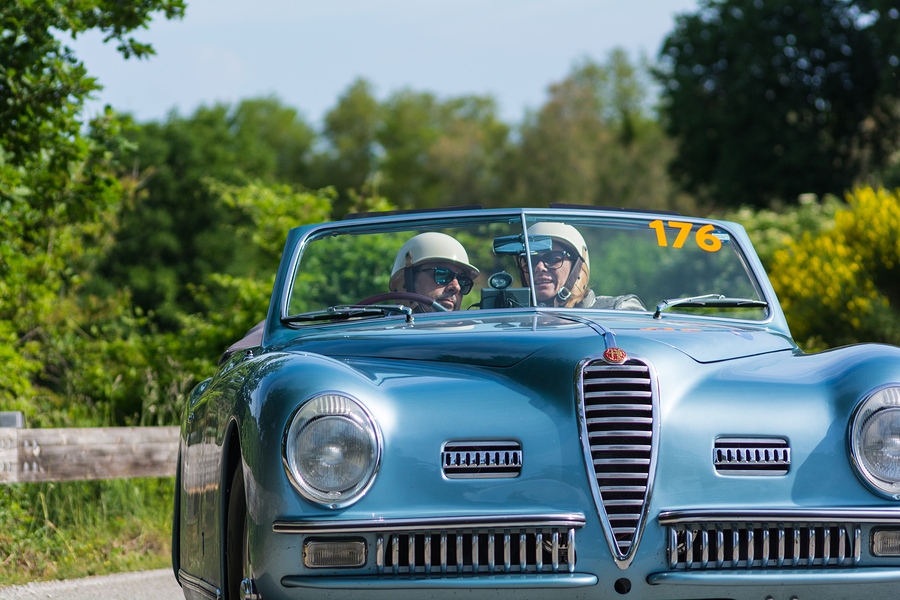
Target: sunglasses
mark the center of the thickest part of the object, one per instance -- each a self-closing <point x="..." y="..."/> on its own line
<point x="444" y="276"/>
<point x="552" y="260"/>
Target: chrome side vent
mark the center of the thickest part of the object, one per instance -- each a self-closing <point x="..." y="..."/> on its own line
<point x="763" y="545"/>
<point x="752" y="456"/>
<point x="618" y="424"/>
<point x="481" y="459"/>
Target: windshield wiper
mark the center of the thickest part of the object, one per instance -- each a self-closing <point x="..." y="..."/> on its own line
<point x="712" y="300"/>
<point x="346" y="312"/>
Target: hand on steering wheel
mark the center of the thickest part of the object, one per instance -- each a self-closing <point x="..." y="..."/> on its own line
<point x="408" y="296"/>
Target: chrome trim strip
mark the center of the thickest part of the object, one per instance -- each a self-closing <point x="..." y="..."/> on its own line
<point x="523" y="552"/>
<point x="720" y="546"/>
<point x="554" y="552"/>
<point x="842" y="544"/>
<point x="735" y="544"/>
<point x="507" y="548"/>
<point x="379" y="554"/>
<point x="198" y="585"/>
<point x="562" y="521"/>
<point x="751" y="547"/>
<point x="757" y="577"/>
<point x="571" y="556"/>
<point x="811" y="536"/>
<point x="395" y="552"/>
<point x="491" y="552"/>
<point x="863" y="515"/>
<point x="689" y="543"/>
<point x="549" y="581"/>
<point x="781" y="546"/>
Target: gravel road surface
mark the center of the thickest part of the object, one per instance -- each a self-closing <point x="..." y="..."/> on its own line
<point x="141" y="585"/>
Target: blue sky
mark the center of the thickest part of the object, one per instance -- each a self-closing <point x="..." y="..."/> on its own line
<point x="307" y="53"/>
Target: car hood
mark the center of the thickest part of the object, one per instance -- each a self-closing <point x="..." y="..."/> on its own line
<point x="504" y="340"/>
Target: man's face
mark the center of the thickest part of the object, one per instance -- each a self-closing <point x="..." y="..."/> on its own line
<point x="449" y="295"/>
<point x="548" y="281"/>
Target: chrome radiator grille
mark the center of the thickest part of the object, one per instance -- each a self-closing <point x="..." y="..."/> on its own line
<point x="479" y="551"/>
<point x="763" y="545"/>
<point x="618" y="417"/>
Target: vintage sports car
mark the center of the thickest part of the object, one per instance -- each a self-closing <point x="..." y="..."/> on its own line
<point x="537" y="403"/>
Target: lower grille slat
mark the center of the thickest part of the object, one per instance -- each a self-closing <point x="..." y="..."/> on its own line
<point x="762" y="545"/>
<point x="476" y="551"/>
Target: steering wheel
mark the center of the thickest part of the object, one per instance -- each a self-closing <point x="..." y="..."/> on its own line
<point x="408" y="296"/>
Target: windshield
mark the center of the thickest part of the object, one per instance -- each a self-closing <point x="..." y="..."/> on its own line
<point x="563" y="262"/>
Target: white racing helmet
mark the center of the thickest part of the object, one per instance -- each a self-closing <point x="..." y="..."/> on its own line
<point x="575" y="287"/>
<point x="423" y="248"/>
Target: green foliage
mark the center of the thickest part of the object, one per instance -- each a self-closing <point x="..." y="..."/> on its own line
<point x="771" y="230"/>
<point x="842" y="285"/>
<point x="269" y="212"/>
<point x="43" y="85"/>
<point x="179" y="233"/>
<point x="769" y="101"/>
<point x="81" y="528"/>
<point x="592" y="143"/>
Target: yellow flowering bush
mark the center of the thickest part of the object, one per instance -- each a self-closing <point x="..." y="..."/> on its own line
<point x="842" y="285"/>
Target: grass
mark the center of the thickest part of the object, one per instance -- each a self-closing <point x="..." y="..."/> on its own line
<point x="76" y="529"/>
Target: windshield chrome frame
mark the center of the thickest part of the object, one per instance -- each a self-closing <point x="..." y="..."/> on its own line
<point x="310" y="233"/>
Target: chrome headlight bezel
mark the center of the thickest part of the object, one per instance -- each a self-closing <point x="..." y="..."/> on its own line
<point x="879" y="404"/>
<point x="331" y="405"/>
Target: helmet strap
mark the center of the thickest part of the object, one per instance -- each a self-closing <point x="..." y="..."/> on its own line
<point x="408" y="276"/>
<point x="565" y="292"/>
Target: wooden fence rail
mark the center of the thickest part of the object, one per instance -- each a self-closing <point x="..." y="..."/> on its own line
<point x="87" y="453"/>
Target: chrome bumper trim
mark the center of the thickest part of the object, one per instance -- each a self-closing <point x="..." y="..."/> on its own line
<point x="430" y="524"/>
<point x="770" y="577"/>
<point x="859" y="515"/>
<point x="545" y="581"/>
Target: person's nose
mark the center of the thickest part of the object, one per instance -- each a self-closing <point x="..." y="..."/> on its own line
<point x="453" y="286"/>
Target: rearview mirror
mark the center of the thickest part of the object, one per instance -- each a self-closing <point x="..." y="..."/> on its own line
<point x="514" y="244"/>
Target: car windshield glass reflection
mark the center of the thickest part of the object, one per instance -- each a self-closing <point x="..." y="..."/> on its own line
<point x="588" y="264"/>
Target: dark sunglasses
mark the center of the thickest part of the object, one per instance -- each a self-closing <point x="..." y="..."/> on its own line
<point x="444" y="276"/>
<point x="552" y="260"/>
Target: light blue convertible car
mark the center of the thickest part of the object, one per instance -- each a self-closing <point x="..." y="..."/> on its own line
<point x="538" y="403"/>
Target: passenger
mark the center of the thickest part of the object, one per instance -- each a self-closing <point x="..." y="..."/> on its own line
<point x="434" y="265"/>
<point x="561" y="275"/>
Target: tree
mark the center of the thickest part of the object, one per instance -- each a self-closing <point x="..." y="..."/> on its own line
<point x="351" y="158"/>
<point x="441" y="153"/>
<point x="42" y="84"/>
<point x="770" y="99"/>
<point x="58" y="188"/>
<point x="418" y="150"/>
<point x="180" y="232"/>
<point x="593" y="142"/>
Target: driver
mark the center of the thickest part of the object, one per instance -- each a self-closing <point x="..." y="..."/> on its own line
<point x="561" y="275"/>
<point x="434" y="265"/>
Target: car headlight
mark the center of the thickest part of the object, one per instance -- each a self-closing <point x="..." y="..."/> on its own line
<point x="875" y="441"/>
<point x="332" y="449"/>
